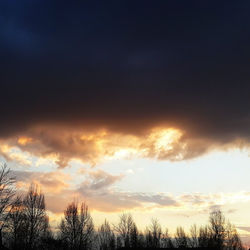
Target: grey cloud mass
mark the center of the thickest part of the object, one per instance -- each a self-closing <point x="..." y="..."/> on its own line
<point x="127" y="67"/>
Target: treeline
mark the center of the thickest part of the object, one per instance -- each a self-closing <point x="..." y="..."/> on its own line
<point x="24" y="225"/>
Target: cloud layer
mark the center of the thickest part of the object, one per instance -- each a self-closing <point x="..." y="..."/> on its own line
<point x="98" y="189"/>
<point x="62" y="144"/>
<point x="166" y="65"/>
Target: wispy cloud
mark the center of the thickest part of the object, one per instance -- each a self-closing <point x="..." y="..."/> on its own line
<point x="51" y="182"/>
<point x="98" y="188"/>
<point x="247" y="229"/>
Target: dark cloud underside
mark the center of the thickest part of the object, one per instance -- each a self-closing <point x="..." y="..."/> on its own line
<point x="126" y="65"/>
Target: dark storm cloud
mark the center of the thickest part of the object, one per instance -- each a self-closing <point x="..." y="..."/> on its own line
<point x="126" y="65"/>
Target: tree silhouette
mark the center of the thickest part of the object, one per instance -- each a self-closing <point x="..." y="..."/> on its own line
<point x="106" y="237"/>
<point x="17" y="224"/>
<point x="35" y="216"/>
<point x="204" y="238"/>
<point x="181" y="239"/>
<point x="217" y="229"/>
<point x="134" y="240"/>
<point x="166" y="240"/>
<point x="7" y="192"/>
<point x="77" y="227"/>
<point x="155" y="232"/>
<point x="194" y="236"/>
<point x="232" y="238"/>
<point x="124" y="228"/>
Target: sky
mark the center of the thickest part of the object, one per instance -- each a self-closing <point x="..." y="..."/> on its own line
<point x="131" y="106"/>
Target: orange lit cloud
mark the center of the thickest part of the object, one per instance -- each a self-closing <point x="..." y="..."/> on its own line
<point x="99" y="191"/>
<point x="52" y="182"/>
<point x="93" y="146"/>
<point x="12" y="153"/>
<point x="24" y="140"/>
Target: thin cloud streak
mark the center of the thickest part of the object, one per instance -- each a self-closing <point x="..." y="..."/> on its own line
<point x="99" y="191"/>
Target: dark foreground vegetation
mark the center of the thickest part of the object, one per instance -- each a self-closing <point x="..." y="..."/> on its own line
<point x="24" y="225"/>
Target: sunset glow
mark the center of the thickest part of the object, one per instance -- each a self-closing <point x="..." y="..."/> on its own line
<point x="135" y="107"/>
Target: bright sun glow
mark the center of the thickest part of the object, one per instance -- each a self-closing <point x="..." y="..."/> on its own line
<point x="164" y="138"/>
<point x="24" y="140"/>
